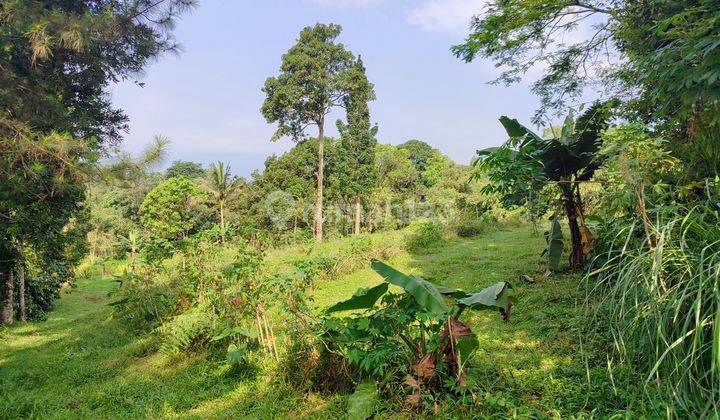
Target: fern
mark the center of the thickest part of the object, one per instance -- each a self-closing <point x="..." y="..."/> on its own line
<point x="190" y="329"/>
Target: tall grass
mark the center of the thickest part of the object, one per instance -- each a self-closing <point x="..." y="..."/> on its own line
<point x="662" y="306"/>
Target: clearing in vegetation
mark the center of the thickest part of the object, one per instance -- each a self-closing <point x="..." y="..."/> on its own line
<point x="82" y="362"/>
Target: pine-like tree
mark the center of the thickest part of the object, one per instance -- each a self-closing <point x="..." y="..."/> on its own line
<point x="355" y="172"/>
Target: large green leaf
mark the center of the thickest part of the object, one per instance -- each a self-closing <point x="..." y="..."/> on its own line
<point x="236" y="354"/>
<point x="362" y="299"/>
<point x="447" y="291"/>
<point x="245" y="332"/>
<point x="362" y="403"/>
<point x="518" y="131"/>
<point x="465" y="347"/>
<point x="555" y="245"/>
<point x="559" y="160"/>
<point x="495" y="296"/>
<point x="425" y="293"/>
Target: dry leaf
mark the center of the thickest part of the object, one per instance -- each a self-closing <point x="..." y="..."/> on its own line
<point x="411" y="381"/>
<point x="506" y="311"/>
<point x="458" y="329"/>
<point x="413" y="400"/>
<point x="425" y="368"/>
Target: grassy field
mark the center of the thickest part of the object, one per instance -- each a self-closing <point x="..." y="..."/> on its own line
<point x="82" y="362"/>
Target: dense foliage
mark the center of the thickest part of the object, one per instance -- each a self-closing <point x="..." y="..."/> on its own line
<point x="414" y="339"/>
<point x="57" y="60"/>
<point x="654" y="266"/>
<point x="208" y="262"/>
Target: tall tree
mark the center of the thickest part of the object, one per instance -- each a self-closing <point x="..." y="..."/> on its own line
<point x="356" y="150"/>
<point x="57" y="61"/>
<point x="41" y="185"/>
<point x="311" y="82"/>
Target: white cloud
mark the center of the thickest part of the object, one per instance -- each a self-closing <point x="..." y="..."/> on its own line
<point x="345" y="3"/>
<point x="451" y="16"/>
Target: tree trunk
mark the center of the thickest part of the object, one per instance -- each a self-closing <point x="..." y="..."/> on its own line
<point x="577" y="256"/>
<point x="21" y="284"/>
<point x="320" y="181"/>
<point x="6" y="311"/>
<point x="222" y="221"/>
<point x="358" y="208"/>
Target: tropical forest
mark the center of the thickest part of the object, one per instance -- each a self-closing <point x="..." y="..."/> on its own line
<point x="360" y="209"/>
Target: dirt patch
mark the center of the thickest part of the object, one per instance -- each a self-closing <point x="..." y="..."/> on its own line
<point x="94" y="298"/>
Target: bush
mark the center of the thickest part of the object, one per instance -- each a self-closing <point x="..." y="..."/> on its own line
<point x="315" y="267"/>
<point x="467" y="228"/>
<point x="308" y="365"/>
<point x="142" y="304"/>
<point x="423" y="234"/>
<point x="412" y="341"/>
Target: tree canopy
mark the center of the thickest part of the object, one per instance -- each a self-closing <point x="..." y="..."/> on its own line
<point x="57" y="61"/>
<point x="189" y="170"/>
<point x="659" y="57"/>
<point x="314" y="77"/>
<point x="170" y="210"/>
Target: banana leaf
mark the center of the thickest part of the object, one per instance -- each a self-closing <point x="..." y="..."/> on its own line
<point x="518" y="131"/>
<point x="495" y="296"/>
<point x="425" y="293"/>
<point x="447" y="291"/>
<point x="555" y="245"/>
<point x="362" y="299"/>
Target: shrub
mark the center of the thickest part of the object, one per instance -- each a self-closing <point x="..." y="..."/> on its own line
<point x="315" y="267"/>
<point x="414" y="341"/>
<point x="467" y="228"/>
<point x="142" y="303"/>
<point x="308" y="365"/>
<point x="423" y="234"/>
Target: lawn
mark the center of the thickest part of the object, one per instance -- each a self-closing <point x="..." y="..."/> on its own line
<point x="82" y="362"/>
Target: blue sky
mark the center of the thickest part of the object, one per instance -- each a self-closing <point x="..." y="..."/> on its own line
<point x="207" y="99"/>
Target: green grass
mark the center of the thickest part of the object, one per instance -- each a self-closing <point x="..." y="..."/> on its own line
<point x="82" y="362"/>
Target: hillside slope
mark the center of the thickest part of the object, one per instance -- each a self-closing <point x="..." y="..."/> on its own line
<point x="82" y="363"/>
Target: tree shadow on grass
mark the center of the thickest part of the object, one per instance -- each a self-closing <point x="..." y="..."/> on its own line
<point x="536" y="362"/>
<point x="82" y="363"/>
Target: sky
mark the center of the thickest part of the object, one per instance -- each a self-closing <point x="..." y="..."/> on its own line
<point x="207" y="99"/>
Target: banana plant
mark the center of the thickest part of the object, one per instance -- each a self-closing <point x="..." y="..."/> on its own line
<point x="425" y="317"/>
<point x="132" y="242"/>
<point x="567" y="159"/>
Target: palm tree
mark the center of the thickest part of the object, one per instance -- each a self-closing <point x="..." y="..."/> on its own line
<point x="221" y="185"/>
